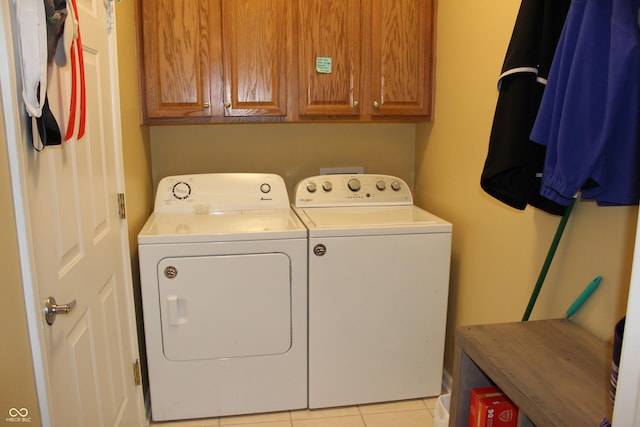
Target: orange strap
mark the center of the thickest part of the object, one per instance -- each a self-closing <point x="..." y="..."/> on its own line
<point x="72" y="109"/>
<point x="76" y="46"/>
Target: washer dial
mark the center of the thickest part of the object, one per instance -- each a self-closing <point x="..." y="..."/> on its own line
<point x="311" y="187"/>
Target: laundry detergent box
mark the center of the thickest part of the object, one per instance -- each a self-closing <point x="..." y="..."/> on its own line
<point x="490" y="408"/>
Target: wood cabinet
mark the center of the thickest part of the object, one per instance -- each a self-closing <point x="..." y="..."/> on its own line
<point x="365" y="58"/>
<point x="400" y="64"/>
<point x="254" y="46"/>
<point x="209" y="61"/>
<point x="176" y="67"/>
<point x="330" y="57"/>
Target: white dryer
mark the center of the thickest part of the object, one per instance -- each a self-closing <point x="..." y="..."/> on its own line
<point x="223" y="267"/>
<point x="378" y="290"/>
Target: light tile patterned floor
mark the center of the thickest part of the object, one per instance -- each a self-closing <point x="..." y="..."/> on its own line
<point x="407" y="413"/>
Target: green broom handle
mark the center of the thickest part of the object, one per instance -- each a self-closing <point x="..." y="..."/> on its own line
<point x="547" y="261"/>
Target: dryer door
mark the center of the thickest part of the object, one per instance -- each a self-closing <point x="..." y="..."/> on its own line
<point x="225" y="306"/>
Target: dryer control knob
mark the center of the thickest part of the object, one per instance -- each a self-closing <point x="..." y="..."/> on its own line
<point x="327" y="186"/>
<point x="381" y="185"/>
<point x="395" y="185"/>
<point x="265" y="188"/>
<point x="181" y="190"/>
<point x="354" y="184"/>
<point x="311" y="187"/>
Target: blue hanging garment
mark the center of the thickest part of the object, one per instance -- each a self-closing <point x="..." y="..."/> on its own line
<point x="589" y="118"/>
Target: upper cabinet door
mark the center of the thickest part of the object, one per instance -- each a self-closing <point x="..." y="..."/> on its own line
<point x="401" y="57"/>
<point x="215" y="61"/>
<point x="177" y="80"/>
<point x="254" y="46"/>
<point x="329" y="57"/>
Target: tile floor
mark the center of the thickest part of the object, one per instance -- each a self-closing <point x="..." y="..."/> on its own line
<point x="407" y="413"/>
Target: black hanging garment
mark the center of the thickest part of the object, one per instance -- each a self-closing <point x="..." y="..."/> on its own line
<point x="513" y="168"/>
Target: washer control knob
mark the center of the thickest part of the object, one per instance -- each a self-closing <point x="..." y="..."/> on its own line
<point x="381" y="185"/>
<point x="327" y="186"/>
<point x="354" y="184"/>
<point x="265" y="188"/>
<point x="311" y="187"/>
<point x="395" y="185"/>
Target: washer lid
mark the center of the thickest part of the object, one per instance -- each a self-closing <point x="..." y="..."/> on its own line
<point x="370" y="220"/>
<point x="223" y="226"/>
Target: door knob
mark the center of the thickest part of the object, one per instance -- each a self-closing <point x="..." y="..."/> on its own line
<point x="51" y="309"/>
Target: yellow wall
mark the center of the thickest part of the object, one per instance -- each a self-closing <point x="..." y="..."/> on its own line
<point x="17" y="383"/>
<point x="498" y="251"/>
<point x="294" y="151"/>
<point x="135" y="138"/>
<point x="136" y="151"/>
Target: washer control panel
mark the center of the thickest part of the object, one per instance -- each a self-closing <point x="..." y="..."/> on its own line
<point x="352" y="190"/>
<point x="217" y="192"/>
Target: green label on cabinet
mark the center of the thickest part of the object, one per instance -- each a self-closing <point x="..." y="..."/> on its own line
<point x="323" y="65"/>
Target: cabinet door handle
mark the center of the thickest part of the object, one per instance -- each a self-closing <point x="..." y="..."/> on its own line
<point x="356" y="104"/>
<point x="227" y="104"/>
<point x="376" y="105"/>
<point x="205" y="105"/>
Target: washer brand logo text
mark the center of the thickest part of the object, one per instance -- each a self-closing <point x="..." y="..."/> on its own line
<point x="18" y="415"/>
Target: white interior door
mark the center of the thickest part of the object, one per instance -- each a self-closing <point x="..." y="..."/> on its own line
<point x="76" y="246"/>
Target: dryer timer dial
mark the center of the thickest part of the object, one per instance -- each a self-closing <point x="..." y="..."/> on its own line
<point x="181" y="190"/>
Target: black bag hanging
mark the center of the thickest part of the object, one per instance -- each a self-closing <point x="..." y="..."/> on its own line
<point x="48" y="128"/>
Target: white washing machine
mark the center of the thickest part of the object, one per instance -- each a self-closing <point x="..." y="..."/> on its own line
<point x="223" y="266"/>
<point x="378" y="290"/>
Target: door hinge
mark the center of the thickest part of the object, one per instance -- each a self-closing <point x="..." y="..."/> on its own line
<point x="137" y="376"/>
<point x="122" y="212"/>
<point x="110" y="12"/>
